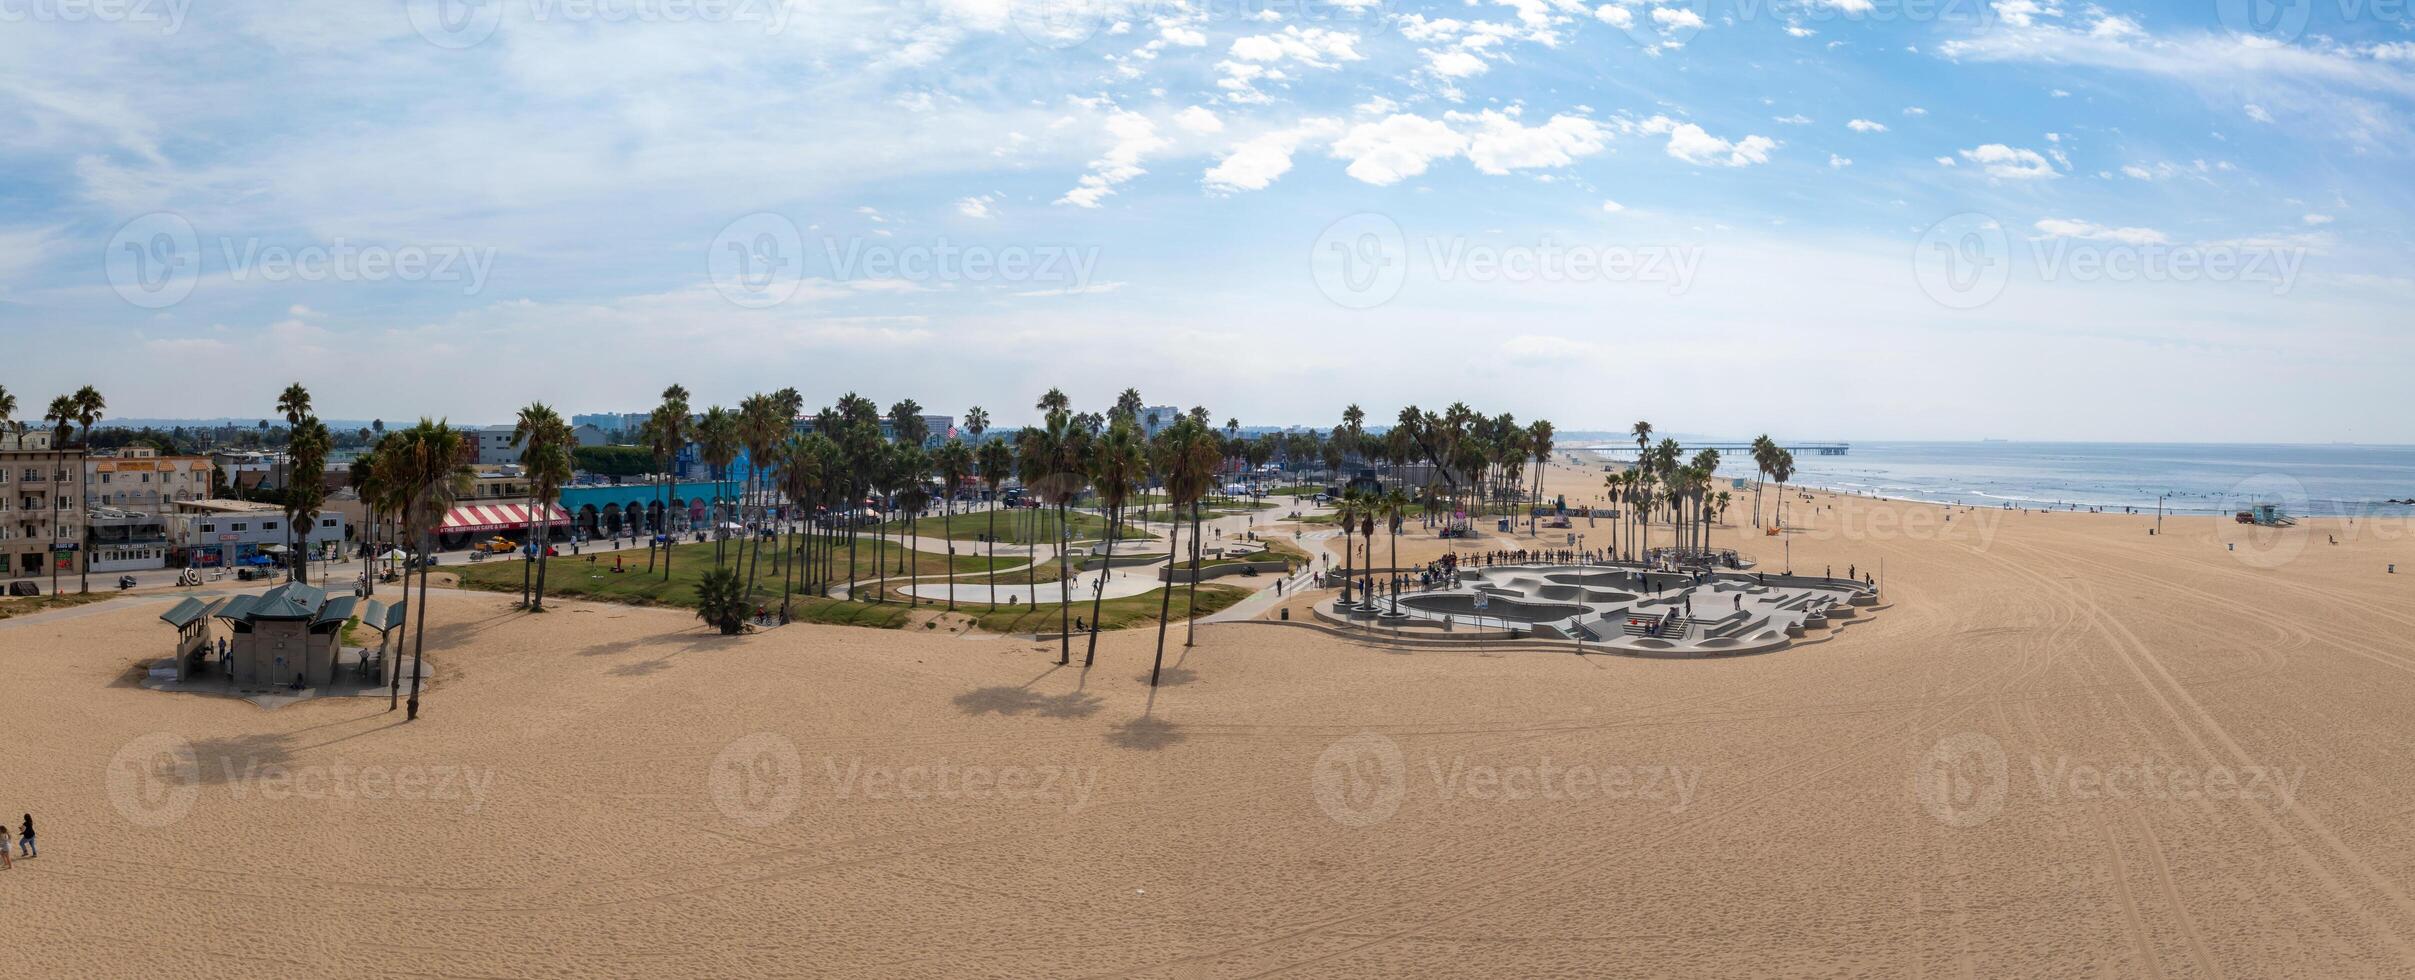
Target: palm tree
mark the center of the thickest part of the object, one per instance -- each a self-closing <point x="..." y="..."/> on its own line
<point x="1538" y="442"/>
<point x="911" y="473"/>
<point x="8" y="410"/>
<point x="1177" y="455"/>
<point x="368" y="480"/>
<point x="997" y="462"/>
<point x="1054" y="401"/>
<point x="1197" y="466"/>
<point x="294" y="404"/>
<point x="717" y="445"/>
<point x="1764" y="451"/>
<point x="1706" y="468"/>
<point x="721" y="601"/>
<point x="763" y="421"/>
<point x="667" y="434"/>
<point x="1395" y="507"/>
<point x="545" y="442"/>
<point x="954" y="461"/>
<point x="1781" y="469"/>
<point x="1056" y="457"/>
<point x="1116" y="469"/>
<point x="306" y="491"/>
<point x="1348" y="510"/>
<point x="433" y="476"/>
<point x="802" y="478"/>
<point x="855" y="424"/>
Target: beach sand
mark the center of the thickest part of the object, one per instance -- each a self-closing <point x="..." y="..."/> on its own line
<point x="2063" y="748"/>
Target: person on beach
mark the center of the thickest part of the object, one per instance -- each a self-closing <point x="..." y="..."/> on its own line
<point x="25" y="839"/>
<point x="5" y="863"/>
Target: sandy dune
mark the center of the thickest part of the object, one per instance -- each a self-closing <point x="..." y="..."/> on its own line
<point x="2065" y="749"/>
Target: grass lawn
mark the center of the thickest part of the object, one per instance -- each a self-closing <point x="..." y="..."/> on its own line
<point x="28" y="605"/>
<point x="1114" y="614"/>
<point x="1014" y="526"/>
<point x="574" y="579"/>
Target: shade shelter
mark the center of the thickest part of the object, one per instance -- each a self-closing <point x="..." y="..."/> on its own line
<point x="191" y="618"/>
<point x="384" y="619"/>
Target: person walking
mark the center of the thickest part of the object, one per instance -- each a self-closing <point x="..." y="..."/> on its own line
<point x="25" y="839"/>
<point x="5" y="863"/>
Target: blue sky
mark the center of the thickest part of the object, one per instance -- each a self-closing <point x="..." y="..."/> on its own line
<point x="1820" y="218"/>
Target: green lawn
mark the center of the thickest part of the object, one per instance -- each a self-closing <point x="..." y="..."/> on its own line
<point x="1014" y="526"/>
<point x="1114" y="614"/>
<point x="576" y="579"/>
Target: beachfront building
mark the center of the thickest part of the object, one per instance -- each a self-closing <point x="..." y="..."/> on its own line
<point x="607" y="510"/>
<point x="125" y="496"/>
<point x="228" y="533"/>
<point x="41" y="506"/>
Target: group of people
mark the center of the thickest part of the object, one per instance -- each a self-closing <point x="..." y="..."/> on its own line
<point x="24" y="843"/>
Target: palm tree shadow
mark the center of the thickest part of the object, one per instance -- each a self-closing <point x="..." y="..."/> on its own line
<point x="238" y="757"/>
<point x="1013" y="701"/>
<point x="1171" y="677"/>
<point x="1146" y="733"/>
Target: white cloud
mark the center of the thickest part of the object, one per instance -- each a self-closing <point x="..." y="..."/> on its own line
<point x="1454" y="63"/>
<point x="2010" y="163"/>
<point x="1396" y="148"/>
<point x="1838" y="163"/>
<point x="1612" y="207"/>
<point x="1849" y="6"/>
<point x="1690" y="143"/>
<point x="2257" y="113"/>
<point x="2075" y="228"/>
<point x="1945" y="161"/>
<point x="1499" y="144"/>
<point x="1135" y="137"/>
<point x="1676" y="18"/>
<point x="1866" y="126"/>
<point x="1615" y="16"/>
<point x="976" y="207"/>
<point x="1256" y="162"/>
<point x="1198" y="120"/>
<point x="1798" y="119"/>
<point x="2318" y="219"/>
<point x="1913" y="110"/>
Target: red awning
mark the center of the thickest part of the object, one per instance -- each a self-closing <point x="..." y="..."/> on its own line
<point x="480" y="518"/>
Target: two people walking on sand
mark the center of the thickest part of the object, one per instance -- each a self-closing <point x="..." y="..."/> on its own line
<point x="25" y="842"/>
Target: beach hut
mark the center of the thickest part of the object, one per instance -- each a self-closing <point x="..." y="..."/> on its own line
<point x="287" y="634"/>
<point x="383" y="618"/>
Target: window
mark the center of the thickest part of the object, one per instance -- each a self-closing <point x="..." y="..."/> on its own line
<point x="243" y="526"/>
<point x="268" y="525"/>
<point x="209" y="527"/>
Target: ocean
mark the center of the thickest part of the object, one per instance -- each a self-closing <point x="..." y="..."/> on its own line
<point x="2202" y="478"/>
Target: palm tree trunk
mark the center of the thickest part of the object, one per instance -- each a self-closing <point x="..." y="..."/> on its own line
<point x="538" y="600"/>
<point x="1165" y="599"/>
<point x="394" y="693"/>
<point x="905" y="553"/>
<point x="419" y="640"/>
<point x="1064" y="596"/>
<point x="1190" y="592"/>
<point x="1099" y="597"/>
<point x="993" y="548"/>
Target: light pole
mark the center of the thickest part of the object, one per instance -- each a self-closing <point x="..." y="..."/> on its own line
<point x="2159" y="512"/>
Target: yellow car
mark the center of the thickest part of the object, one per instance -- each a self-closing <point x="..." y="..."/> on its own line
<point x="496" y="546"/>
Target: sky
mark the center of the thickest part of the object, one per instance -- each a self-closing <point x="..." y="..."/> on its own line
<point x="1823" y="219"/>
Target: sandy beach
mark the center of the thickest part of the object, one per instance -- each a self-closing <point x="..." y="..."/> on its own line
<point x="2063" y="747"/>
